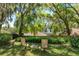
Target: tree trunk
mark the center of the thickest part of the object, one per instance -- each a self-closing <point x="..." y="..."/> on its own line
<point x="0" y="28"/>
<point x="21" y="29"/>
<point x="64" y="19"/>
<point x="67" y="27"/>
<point x="21" y="25"/>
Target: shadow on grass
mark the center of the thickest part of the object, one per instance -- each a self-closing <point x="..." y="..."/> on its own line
<point x="53" y="50"/>
<point x="60" y="50"/>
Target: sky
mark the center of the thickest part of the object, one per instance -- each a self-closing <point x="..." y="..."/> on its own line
<point x="14" y="19"/>
<point x="12" y="22"/>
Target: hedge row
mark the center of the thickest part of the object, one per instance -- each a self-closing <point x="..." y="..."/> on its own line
<point x="74" y="41"/>
<point x="54" y="40"/>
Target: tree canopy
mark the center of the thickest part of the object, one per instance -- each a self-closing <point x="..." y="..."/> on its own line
<point x="37" y="17"/>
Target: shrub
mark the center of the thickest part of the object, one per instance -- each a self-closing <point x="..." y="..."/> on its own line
<point x="33" y="39"/>
<point x="58" y="40"/>
<point x="75" y="42"/>
<point x="4" y="39"/>
<point x="54" y="40"/>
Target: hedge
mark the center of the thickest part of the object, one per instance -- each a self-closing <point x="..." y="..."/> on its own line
<point x="74" y="41"/>
<point x="54" y="40"/>
<point x="4" y="39"/>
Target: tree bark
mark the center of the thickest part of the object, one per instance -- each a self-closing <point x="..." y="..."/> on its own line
<point x="65" y="20"/>
<point x="21" y="24"/>
<point x="0" y="28"/>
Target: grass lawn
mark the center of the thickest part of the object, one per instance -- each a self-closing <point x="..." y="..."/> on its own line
<point x="52" y="50"/>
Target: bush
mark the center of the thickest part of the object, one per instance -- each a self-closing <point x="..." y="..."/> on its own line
<point x="54" y="40"/>
<point x="75" y="42"/>
<point x="58" y="40"/>
<point x="33" y="39"/>
<point x="4" y="39"/>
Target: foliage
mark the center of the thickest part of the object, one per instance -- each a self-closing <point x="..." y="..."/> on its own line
<point x="4" y="39"/>
<point x="32" y="17"/>
<point x="51" y="40"/>
<point x="59" y="18"/>
<point x="75" y="42"/>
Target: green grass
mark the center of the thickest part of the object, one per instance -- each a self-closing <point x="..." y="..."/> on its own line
<point x="52" y="50"/>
